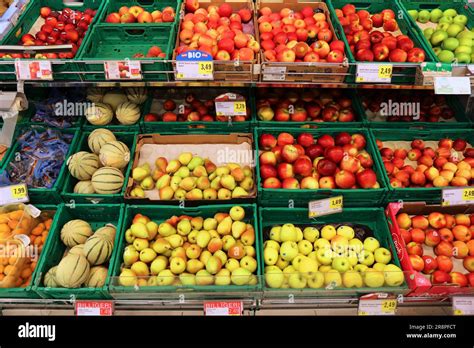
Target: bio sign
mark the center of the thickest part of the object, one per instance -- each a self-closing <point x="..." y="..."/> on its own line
<point x="194" y="65"/>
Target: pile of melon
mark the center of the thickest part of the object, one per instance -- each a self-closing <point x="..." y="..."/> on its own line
<point x="101" y="170"/>
<point x="85" y="261"/>
<point x="125" y="106"/>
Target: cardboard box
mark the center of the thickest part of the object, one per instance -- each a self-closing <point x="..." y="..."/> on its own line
<point x="419" y="283"/>
<point x="301" y="72"/>
<point x="220" y="149"/>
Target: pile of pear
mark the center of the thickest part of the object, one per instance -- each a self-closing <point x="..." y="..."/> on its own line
<point x="191" y="177"/>
<point x="326" y="258"/>
<point x="190" y="251"/>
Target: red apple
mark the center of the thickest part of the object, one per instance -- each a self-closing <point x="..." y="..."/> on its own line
<point x="440" y="277"/>
<point x="430" y="264"/>
<point x="272" y="183"/>
<point x="417" y="262"/>
<point x="366" y="178"/>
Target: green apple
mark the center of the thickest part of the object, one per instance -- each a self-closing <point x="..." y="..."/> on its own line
<point x="341" y="264"/>
<point x="366" y="258"/>
<point x="374" y="278"/>
<point x="423" y="16"/>
<point x="370" y="244"/>
<point x="305" y="247"/>
<point x="446" y="56"/>
<point x="379" y="266"/>
<point x="275" y="233"/>
<point x="328" y="232"/>
<point x="353" y="259"/>
<point x="313" y="255"/>
<point x="297" y="260"/>
<point x="360" y="268"/>
<point x="437" y="50"/>
<point x="240" y="276"/>
<point x="465" y="34"/>
<point x="463" y="58"/>
<point x="332" y="278"/>
<point x="321" y="243"/>
<point x="299" y="234"/>
<point x="356" y="245"/>
<point x="446" y="19"/>
<point x="472" y="57"/>
<point x="428" y="32"/>
<point x="325" y="268"/>
<point x="438" y="37"/>
<point x="443" y="26"/>
<point x="465" y="42"/>
<point x="288" y="251"/>
<point x="316" y="280"/>
<point x="463" y="49"/>
<point x="281" y="264"/>
<point x="393" y="275"/>
<point x="435" y="15"/>
<point x="288" y="233"/>
<point x="311" y="234"/>
<point x="307" y="267"/>
<point x="270" y="256"/>
<point x="460" y="19"/>
<point x="346" y="231"/>
<point x="289" y="271"/>
<point x="382" y="255"/>
<point x="274" y="277"/>
<point x="450" y="44"/>
<point x="297" y="281"/>
<point x="324" y="256"/>
<point x="271" y="244"/>
<point x="339" y="244"/>
<point x="413" y="14"/>
<point x="450" y="12"/>
<point x="352" y="279"/>
<point x="454" y="30"/>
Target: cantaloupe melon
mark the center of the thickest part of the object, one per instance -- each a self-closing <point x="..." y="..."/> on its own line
<point x="108" y="232"/>
<point x="75" y="232"/>
<point x="98" y="249"/>
<point x="84" y="187"/>
<point x="77" y="249"/>
<point x="83" y="164"/>
<point x="107" y="180"/>
<point x="128" y="113"/>
<point x="72" y="271"/>
<point x="98" y="138"/>
<point x="114" y="154"/>
<point x="137" y="95"/>
<point x="100" y="114"/>
<point x="50" y="278"/>
<point x="95" y="94"/>
<point x="97" y="277"/>
<point x="114" y="98"/>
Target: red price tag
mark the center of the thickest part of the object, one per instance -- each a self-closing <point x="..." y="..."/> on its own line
<point x="223" y="308"/>
<point x="94" y="308"/>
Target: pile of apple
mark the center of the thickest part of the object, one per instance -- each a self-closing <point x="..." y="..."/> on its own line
<point x="298" y="36"/>
<point x="326" y="162"/>
<point x="432" y="108"/>
<point x="60" y="27"/>
<point x="190" y="251"/>
<point x="441" y="237"/>
<point x="310" y="105"/>
<point x="191" y="177"/>
<point x="326" y="256"/>
<point x="153" y="52"/>
<point x="194" y="110"/>
<point x="447" y="33"/>
<point x="137" y="14"/>
<point x="369" y="43"/>
<point x="219" y="31"/>
<point x="431" y="167"/>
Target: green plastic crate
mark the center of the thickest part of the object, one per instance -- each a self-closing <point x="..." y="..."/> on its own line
<point x="160" y="214"/>
<point x="462" y="121"/>
<point x="356" y="106"/>
<point x="459" y="5"/>
<point x="148" y="5"/>
<point x="97" y="216"/>
<point x="198" y="127"/>
<point x="122" y="42"/>
<point x="301" y="197"/>
<point x="405" y="75"/>
<point x="68" y="195"/>
<point x="28" y="19"/>
<point x="44" y="195"/>
<point x="27" y="292"/>
<point x="373" y="218"/>
<point x="430" y="195"/>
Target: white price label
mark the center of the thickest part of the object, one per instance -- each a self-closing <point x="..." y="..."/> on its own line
<point x="94" y="308"/>
<point x="123" y="70"/>
<point x="223" y="308"/>
<point x="379" y="73"/>
<point x="377" y="307"/>
<point x="463" y="305"/>
<point x="325" y="206"/>
<point x="195" y="70"/>
<point x="231" y="108"/>
<point x="273" y="77"/>
<point x="33" y="70"/>
<point x="452" y="85"/>
<point x="13" y="194"/>
<point x="457" y="196"/>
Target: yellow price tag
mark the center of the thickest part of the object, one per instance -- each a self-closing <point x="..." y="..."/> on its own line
<point x="385" y="71"/>
<point x="205" y="68"/>
<point x="458" y="312"/>
<point x="335" y="202"/>
<point x="468" y="194"/>
<point x="240" y="107"/>
<point x="389" y="306"/>
<point x="18" y="191"/>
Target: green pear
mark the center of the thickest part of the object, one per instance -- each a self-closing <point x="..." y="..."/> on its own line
<point x="247" y="184"/>
<point x="140" y="173"/>
<point x="129" y="237"/>
<point x="195" y="162"/>
<point x="213" y="265"/>
<point x="187" y="279"/>
<point x="166" y="229"/>
<point x="165" y="277"/>
<point x="158" y="265"/>
<point x="225" y="226"/>
<point x="240" y="276"/>
<point x="130" y="255"/>
<point x="194" y="265"/>
<point x="184" y="227"/>
<point x="220" y="171"/>
<point x="161" y="246"/>
<point x="185" y="158"/>
<point x="212" y="176"/>
<point x="203" y="238"/>
<point x="228" y="182"/>
<point x="210" y="224"/>
<point x="238" y="228"/>
<point x="223" y="277"/>
<point x="147" y="183"/>
<point x="188" y="183"/>
<point x="163" y="181"/>
<point x="232" y="264"/>
<point x="183" y="172"/>
<point x="203" y="277"/>
<point x="194" y="194"/>
<point x="224" y="193"/>
<point x="138" y="192"/>
<point x="139" y="230"/>
<point x="209" y="194"/>
<point x="173" y="166"/>
<point x="175" y="181"/>
<point x="199" y="171"/>
<point x="216" y="183"/>
<point x="175" y="240"/>
<point x="239" y="192"/>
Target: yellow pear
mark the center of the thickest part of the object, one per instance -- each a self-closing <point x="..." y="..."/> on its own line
<point x="225" y="227"/>
<point x="139" y="230"/>
<point x="127" y="278"/>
